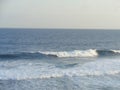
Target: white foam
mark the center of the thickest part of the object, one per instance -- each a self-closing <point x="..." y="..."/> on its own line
<point x="43" y="70"/>
<point x="116" y="51"/>
<point x="102" y="67"/>
<point x="75" y="53"/>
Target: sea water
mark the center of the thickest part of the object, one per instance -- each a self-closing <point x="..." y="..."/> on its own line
<point x="59" y="59"/>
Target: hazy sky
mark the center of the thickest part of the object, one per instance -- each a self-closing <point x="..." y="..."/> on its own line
<point x="60" y="13"/>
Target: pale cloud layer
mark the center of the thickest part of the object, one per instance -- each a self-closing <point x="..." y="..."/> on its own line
<point x="60" y="13"/>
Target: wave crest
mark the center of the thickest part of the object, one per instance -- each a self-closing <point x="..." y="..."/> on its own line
<point x="61" y="54"/>
<point x="75" y="53"/>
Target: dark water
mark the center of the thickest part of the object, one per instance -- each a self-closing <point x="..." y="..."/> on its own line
<point x="46" y="59"/>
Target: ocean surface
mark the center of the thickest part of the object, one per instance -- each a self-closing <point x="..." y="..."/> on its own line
<point x="59" y="59"/>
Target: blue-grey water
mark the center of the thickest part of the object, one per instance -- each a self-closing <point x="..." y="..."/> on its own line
<point x="59" y="59"/>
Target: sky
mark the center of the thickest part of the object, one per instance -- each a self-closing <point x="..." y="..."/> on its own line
<point x="99" y="14"/>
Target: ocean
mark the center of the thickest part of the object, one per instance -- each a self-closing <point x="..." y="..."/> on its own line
<point x="59" y="59"/>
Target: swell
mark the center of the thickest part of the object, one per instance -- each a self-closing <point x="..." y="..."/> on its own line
<point x="61" y="54"/>
<point x="23" y="55"/>
<point x="108" y="52"/>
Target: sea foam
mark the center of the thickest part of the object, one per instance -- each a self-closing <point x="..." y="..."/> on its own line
<point x="75" y="53"/>
<point x="45" y="71"/>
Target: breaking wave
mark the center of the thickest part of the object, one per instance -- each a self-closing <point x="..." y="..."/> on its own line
<point x="75" y="53"/>
<point x="62" y="54"/>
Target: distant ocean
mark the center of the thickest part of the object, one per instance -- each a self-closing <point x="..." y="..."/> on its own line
<point x="59" y="59"/>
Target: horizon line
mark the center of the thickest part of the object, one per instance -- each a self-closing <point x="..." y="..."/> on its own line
<point x="61" y="28"/>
